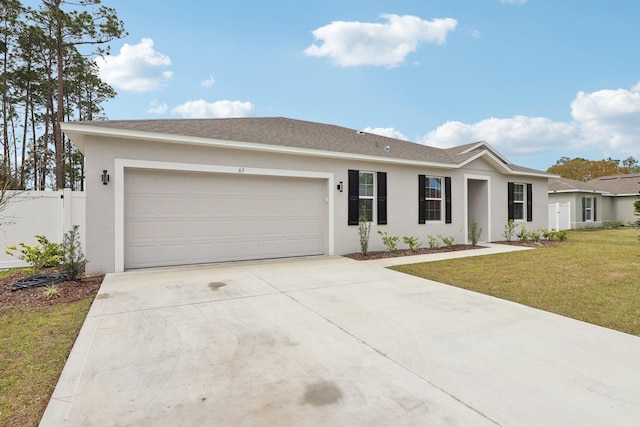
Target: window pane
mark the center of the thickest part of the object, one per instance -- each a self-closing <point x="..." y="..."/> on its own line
<point x="587" y="202"/>
<point x="518" y="211"/>
<point x="433" y="210"/>
<point x="433" y="188"/>
<point x="366" y="184"/>
<point x="366" y="209"/>
<point x="518" y="192"/>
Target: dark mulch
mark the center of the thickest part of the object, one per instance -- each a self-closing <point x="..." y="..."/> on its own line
<point x="406" y="252"/>
<point x="69" y="291"/>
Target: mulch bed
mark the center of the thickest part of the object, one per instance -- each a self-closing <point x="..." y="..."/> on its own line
<point x="406" y="252"/>
<point x="69" y="291"/>
<point x="421" y="251"/>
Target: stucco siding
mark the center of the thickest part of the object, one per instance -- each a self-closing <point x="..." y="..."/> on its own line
<point x="402" y="192"/>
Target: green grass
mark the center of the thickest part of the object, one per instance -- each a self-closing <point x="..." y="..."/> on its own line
<point x="34" y="346"/>
<point x="593" y="277"/>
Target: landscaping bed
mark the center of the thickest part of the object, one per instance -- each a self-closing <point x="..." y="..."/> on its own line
<point x="69" y="291"/>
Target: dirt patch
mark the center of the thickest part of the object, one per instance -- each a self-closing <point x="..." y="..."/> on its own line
<point x="69" y="291"/>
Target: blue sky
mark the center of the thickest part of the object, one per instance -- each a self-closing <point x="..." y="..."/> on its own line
<point x="536" y="79"/>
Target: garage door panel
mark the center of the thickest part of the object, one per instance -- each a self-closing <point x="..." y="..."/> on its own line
<point x="174" y="218"/>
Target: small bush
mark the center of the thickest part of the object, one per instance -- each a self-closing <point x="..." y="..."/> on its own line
<point x="391" y="242"/>
<point x="611" y="225"/>
<point x="73" y="261"/>
<point x="447" y="240"/>
<point x="50" y="291"/>
<point x="364" y="230"/>
<point x="433" y="242"/>
<point x="535" y="235"/>
<point x="523" y="234"/>
<point x="474" y="233"/>
<point x="509" y="229"/>
<point x="42" y="254"/>
<point x="413" y="243"/>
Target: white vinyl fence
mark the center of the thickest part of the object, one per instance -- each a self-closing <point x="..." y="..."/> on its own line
<point x="48" y="213"/>
<point x="559" y="216"/>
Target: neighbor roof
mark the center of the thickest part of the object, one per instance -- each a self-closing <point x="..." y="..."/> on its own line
<point x="284" y="132"/>
<point x="618" y="184"/>
<point x="565" y="185"/>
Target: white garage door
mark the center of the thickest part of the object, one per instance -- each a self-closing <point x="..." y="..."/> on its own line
<point x="178" y="218"/>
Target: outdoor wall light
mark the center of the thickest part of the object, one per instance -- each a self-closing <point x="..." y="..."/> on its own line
<point x="340" y="186"/>
<point x="105" y="177"/>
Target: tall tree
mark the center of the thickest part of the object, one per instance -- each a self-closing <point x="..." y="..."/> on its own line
<point x="93" y="26"/>
<point x="581" y="169"/>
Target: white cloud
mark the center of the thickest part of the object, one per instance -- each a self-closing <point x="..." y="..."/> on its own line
<point x="517" y="135"/>
<point x="605" y="121"/>
<point x="156" y="108"/>
<point x="353" y="43"/>
<point x="389" y="132"/>
<point x="208" y="82"/>
<point x="636" y="87"/>
<point x="200" y="109"/>
<point x="137" y="68"/>
<point x="609" y="118"/>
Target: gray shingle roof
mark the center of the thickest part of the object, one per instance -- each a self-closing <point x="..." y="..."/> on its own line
<point x="565" y="184"/>
<point x="618" y="184"/>
<point x="279" y="131"/>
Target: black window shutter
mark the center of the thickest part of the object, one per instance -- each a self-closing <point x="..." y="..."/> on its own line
<point x="382" y="197"/>
<point x="447" y="200"/>
<point x="421" y="204"/>
<point x="354" y="194"/>
<point x="584" y="209"/>
<point x="510" y="189"/>
<point x="529" y="202"/>
<point x="595" y="218"/>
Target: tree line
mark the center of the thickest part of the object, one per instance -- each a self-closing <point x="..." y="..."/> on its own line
<point x="580" y="169"/>
<point x="48" y="76"/>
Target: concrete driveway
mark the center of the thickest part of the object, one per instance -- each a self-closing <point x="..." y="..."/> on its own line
<point x="332" y="341"/>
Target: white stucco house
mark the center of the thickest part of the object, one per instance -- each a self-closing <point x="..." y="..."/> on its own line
<point x="603" y="199"/>
<point x="191" y="191"/>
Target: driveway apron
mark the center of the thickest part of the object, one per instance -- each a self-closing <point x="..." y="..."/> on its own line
<point x="332" y="341"/>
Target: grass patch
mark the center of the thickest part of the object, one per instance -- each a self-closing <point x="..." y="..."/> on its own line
<point x="34" y="346"/>
<point x="594" y="277"/>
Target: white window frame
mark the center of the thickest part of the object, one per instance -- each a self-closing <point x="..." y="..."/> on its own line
<point x="519" y="202"/>
<point x="588" y="209"/>
<point x="367" y="197"/>
<point x="427" y="181"/>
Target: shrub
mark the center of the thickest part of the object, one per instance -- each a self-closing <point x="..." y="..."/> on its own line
<point x="509" y="229"/>
<point x="391" y="242"/>
<point x="523" y="234"/>
<point x="535" y="235"/>
<point x="413" y="242"/>
<point x="50" y="291"/>
<point x="433" y="242"/>
<point x="611" y="225"/>
<point x="447" y="240"/>
<point x="73" y="259"/>
<point x="42" y="254"/>
<point x="364" y="229"/>
<point x="474" y="233"/>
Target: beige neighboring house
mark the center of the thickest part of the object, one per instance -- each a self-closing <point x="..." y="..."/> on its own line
<point x="194" y="191"/>
<point x="608" y="198"/>
<point x="621" y="192"/>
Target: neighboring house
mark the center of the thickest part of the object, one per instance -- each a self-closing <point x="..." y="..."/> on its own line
<point x="608" y="198"/>
<point x="621" y="192"/>
<point x="580" y="202"/>
<point x="178" y="192"/>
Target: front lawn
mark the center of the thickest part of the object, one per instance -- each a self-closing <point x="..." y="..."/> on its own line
<point x="593" y="277"/>
<point x="36" y="336"/>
